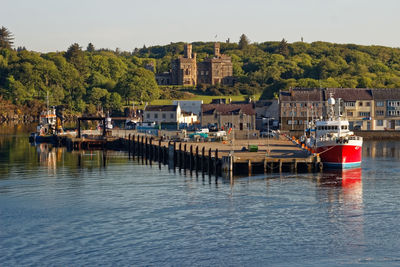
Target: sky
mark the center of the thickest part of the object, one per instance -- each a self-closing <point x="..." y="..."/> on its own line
<point x="53" y="25"/>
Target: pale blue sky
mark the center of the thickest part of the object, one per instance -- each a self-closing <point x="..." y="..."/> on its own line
<point x="53" y="25"/>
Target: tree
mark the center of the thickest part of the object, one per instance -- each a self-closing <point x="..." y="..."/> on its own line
<point x="139" y="85"/>
<point x="243" y="42"/>
<point x="76" y="57"/>
<point x="283" y="48"/>
<point x="6" y="38"/>
<point x="90" y="48"/>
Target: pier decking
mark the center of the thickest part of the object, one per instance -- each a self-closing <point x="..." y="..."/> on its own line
<point x="226" y="159"/>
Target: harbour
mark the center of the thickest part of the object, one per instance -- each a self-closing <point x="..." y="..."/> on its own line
<point x="61" y="207"/>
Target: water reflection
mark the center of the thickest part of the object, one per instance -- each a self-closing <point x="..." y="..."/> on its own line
<point x="379" y="149"/>
<point x="48" y="156"/>
<point x="342" y="192"/>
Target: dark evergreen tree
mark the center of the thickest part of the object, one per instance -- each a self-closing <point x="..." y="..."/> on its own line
<point x="243" y="41"/>
<point x="76" y="57"/>
<point x="21" y="48"/>
<point x="90" y="48"/>
<point x="283" y="48"/>
<point x="6" y="38"/>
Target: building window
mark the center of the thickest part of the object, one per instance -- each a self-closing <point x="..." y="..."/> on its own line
<point x="367" y="104"/>
<point x="155" y="116"/>
<point x="350" y="104"/>
<point x="172" y="116"/>
<point x="380" y="104"/>
<point x="164" y="115"/>
<point x="379" y="123"/>
<point x="349" y="114"/>
<point x="148" y="115"/>
<point x="360" y="104"/>
<point x="397" y="122"/>
<point x="364" y="114"/>
<point x="393" y="103"/>
<point x="380" y="112"/>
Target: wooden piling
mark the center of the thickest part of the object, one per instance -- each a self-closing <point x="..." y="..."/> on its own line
<point x="184" y="157"/>
<point x="146" y="150"/>
<point x="249" y="167"/>
<point x="216" y="163"/>
<point x="133" y="147"/>
<point x="159" y="151"/>
<point x="129" y="146"/>
<point x="151" y="151"/>
<point x="191" y="159"/>
<point x="179" y="159"/>
<point x="196" y="162"/>
<point x="265" y="166"/>
<point x="175" y="156"/>
<point x="209" y="163"/>
<point x="203" y="158"/>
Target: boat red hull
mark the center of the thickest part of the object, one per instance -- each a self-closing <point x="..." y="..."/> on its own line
<point x="345" y="155"/>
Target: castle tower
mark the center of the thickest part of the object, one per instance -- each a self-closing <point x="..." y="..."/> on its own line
<point x="217" y="50"/>
<point x="188" y="50"/>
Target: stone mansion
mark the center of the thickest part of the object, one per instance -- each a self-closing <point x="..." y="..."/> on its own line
<point x="186" y="71"/>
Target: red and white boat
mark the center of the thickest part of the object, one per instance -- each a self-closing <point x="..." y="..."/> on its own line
<point x="336" y="145"/>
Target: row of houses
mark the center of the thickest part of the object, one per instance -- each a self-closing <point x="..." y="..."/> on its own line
<point x="221" y="116"/>
<point x="364" y="108"/>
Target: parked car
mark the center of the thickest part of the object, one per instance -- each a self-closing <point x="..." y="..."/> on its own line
<point x="270" y="133"/>
<point x="212" y="128"/>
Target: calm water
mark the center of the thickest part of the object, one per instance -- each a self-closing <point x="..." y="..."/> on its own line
<point x="67" y="209"/>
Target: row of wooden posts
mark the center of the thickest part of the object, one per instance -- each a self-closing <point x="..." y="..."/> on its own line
<point x="175" y="156"/>
<point x="194" y="159"/>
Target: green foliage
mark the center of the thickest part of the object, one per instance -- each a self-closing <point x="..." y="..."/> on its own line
<point x="138" y="84"/>
<point x="6" y="38"/>
<point x="99" y="79"/>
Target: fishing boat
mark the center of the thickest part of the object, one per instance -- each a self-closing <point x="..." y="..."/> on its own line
<point x="46" y="129"/>
<point x="332" y="139"/>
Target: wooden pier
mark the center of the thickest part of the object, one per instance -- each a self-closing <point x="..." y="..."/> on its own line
<point x="219" y="159"/>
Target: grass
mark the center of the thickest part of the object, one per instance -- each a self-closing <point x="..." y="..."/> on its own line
<point x="206" y="99"/>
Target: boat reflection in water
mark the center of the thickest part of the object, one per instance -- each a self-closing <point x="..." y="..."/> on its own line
<point x="47" y="156"/>
<point x="342" y="192"/>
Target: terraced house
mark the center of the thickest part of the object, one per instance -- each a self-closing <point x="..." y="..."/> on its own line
<point x="364" y="108"/>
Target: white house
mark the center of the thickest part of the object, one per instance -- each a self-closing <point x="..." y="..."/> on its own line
<point x="162" y="113"/>
<point x="190" y="106"/>
<point x="168" y="114"/>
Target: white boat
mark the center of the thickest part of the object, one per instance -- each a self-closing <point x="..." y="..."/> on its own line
<point x="332" y="139"/>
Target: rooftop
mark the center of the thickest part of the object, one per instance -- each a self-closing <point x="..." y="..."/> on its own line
<point x="225" y="109"/>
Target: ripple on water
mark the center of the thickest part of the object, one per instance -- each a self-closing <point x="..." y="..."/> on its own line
<point x="131" y="214"/>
